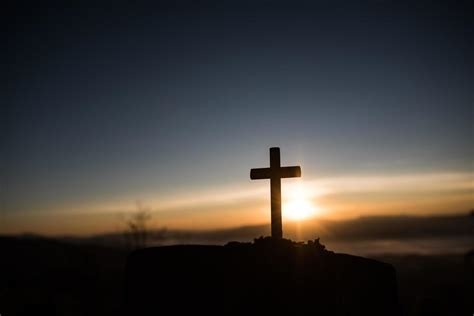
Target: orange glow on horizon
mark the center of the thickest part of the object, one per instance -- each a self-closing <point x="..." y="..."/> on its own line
<point x="334" y="198"/>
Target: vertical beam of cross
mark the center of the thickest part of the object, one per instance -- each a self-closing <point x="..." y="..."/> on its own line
<point x="275" y="173"/>
<point x="275" y="193"/>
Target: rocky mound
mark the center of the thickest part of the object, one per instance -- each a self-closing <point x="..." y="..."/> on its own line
<point x="265" y="277"/>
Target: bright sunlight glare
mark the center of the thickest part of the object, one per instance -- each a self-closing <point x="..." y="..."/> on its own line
<point x="299" y="206"/>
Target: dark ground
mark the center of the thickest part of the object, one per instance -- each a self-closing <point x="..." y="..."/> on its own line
<point x="270" y="276"/>
<point x="44" y="276"/>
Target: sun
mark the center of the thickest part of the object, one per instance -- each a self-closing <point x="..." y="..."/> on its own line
<point x="299" y="210"/>
<point x="299" y="206"/>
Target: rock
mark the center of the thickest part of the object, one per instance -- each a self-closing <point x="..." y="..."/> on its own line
<point x="266" y="277"/>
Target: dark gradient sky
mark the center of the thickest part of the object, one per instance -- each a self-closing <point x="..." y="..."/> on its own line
<point x="124" y="101"/>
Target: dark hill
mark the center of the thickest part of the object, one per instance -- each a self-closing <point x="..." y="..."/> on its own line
<point x="42" y="276"/>
<point x="266" y="277"/>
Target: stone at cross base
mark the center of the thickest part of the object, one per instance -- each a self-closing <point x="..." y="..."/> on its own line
<point x="271" y="276"/>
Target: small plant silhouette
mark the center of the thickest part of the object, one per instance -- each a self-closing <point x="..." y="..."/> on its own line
<point x="136" y="234"/>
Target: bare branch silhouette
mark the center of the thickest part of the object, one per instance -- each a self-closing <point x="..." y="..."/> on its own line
<point x="136" y="234"/>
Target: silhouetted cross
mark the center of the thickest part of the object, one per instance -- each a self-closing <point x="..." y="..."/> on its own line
<point x="275" y="173"/>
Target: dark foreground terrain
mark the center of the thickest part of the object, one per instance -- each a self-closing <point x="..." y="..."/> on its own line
<point x="48" y="277"/>
<point x="267" y="277"/>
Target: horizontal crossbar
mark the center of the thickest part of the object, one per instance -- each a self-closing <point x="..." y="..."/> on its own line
<point x="282" y="172"/>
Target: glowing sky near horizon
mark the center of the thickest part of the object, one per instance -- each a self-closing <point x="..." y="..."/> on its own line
<point x="172" y="106"/>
